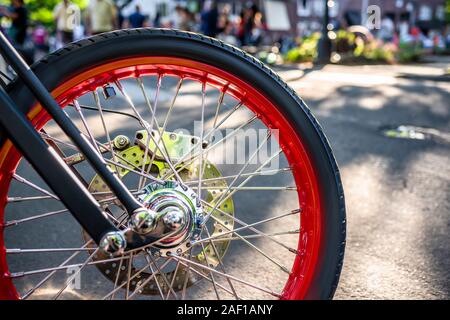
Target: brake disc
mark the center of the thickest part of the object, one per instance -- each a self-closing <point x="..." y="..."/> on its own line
<point x="210" y="253"/>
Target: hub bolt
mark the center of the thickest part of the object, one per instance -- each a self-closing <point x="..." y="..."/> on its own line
<point x="121" y="142"/>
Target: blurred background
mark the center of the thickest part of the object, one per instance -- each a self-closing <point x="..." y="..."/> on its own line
<point x="376" y="73"/>
<point x="276" y="31"/>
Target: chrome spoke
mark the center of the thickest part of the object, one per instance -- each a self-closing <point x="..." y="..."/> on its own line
<point x="259" y="173"/>
<point x="60" y="292"/>
<point x="173" y="280"/>
<point x="165" y="123"/>
<point x="249" y="226"/>
<point x="219" y="201"/>
<point x="164" y="277"/>
<point x="46" y="250"/>
<point x="204" y="276"/>
<point x="125" y="282"/>
<point x="177" y="257"/>
<point x="251" y="188"/>
<point x="211" y="132"/>
<point x="145" y="175"/>
<point x="130" y="263"/>
<point x="151" y="261"/>
<point x="85" y="124"/>
<point x="209" y="148"/>
<point x="34" y="186"/>
<point x="48" y="137"/>
<point x="226" y="195"/>
<point x="153" y="119"/>
<point x="183" y="292"/>
<point x="118" y="164"/>
<point x="40" y="216"/>
<point x="47" y="277"/>
<point x="143" y="284"/>
<point x="211" y="275"/>
<point x="105" y="128"/>
<point x="255" y="236"/>
<point x="146" y="126"/>
<point x="64" y="267"/>
<point x="222" y="266"/>
<point x="263" y="253"/>
<point x="202" y="124"/>
<point x="22" y="199"/>
<point x="169" y="286"/>
<point x="116" y="281"/>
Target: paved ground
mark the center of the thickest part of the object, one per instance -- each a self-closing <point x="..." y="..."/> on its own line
<point x="397" y="190"/>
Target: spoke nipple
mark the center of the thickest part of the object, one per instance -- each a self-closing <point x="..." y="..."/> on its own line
<point x="109" y="92"/>
<point x="113" y="243"/>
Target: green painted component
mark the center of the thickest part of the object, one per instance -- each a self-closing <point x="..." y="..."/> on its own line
<point x="177" y="144"/>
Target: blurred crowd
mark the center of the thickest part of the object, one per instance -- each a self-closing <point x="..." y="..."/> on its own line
<point x="71" y="23"/>
<point x="244" y="28"/>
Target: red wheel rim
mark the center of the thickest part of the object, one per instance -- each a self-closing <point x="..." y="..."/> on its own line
<point x="303" y="169"/>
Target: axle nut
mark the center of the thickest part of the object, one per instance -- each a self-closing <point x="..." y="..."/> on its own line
<point x="113" y="243"/>
<point x="143" y="221"/>
<point x="174" y="220"/>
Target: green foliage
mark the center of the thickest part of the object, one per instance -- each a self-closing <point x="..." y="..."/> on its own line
<point x="42" y="10"/>
<point x="351" y="48"/>
<point x="447" y="11"/>
<point x="306" y="51"/>
<point x="409" y="52"/>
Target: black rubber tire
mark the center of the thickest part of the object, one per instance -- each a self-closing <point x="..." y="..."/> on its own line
<point x="88" y="53"/>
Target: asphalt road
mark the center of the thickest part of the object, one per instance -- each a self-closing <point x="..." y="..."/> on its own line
<point x="397" y="190"/>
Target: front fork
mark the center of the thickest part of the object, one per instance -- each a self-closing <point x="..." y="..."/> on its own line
<point x="54" y="171"/>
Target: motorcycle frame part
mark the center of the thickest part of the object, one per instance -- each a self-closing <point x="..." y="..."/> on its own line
<point x="60" y="178"/>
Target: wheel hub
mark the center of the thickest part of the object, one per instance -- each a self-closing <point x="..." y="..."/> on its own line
<point x="179" y="212"/>
<point x="178" y="215"/>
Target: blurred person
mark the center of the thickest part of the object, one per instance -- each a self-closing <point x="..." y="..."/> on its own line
<point x="137" y="19"/>
<point x="157" y="20"/>
<point x="121" y="21"/>
<point x="67" y="16"/>
<point x="228" y="34"/>
<point x="39" y="37"/>
<point x="101" y="16"/>
<point x="19" y="25"/>
<point x="209" y="18"/>
<point x="224" y="18"/>
<point x="245" y="26"/>
<point x="185" y="19"/>
<point x="258" y="29"/>
<point x="387" y="29"/>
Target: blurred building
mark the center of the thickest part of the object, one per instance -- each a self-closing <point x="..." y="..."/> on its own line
<point x="425" y="14"/>
<point x="305" y="16"/>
